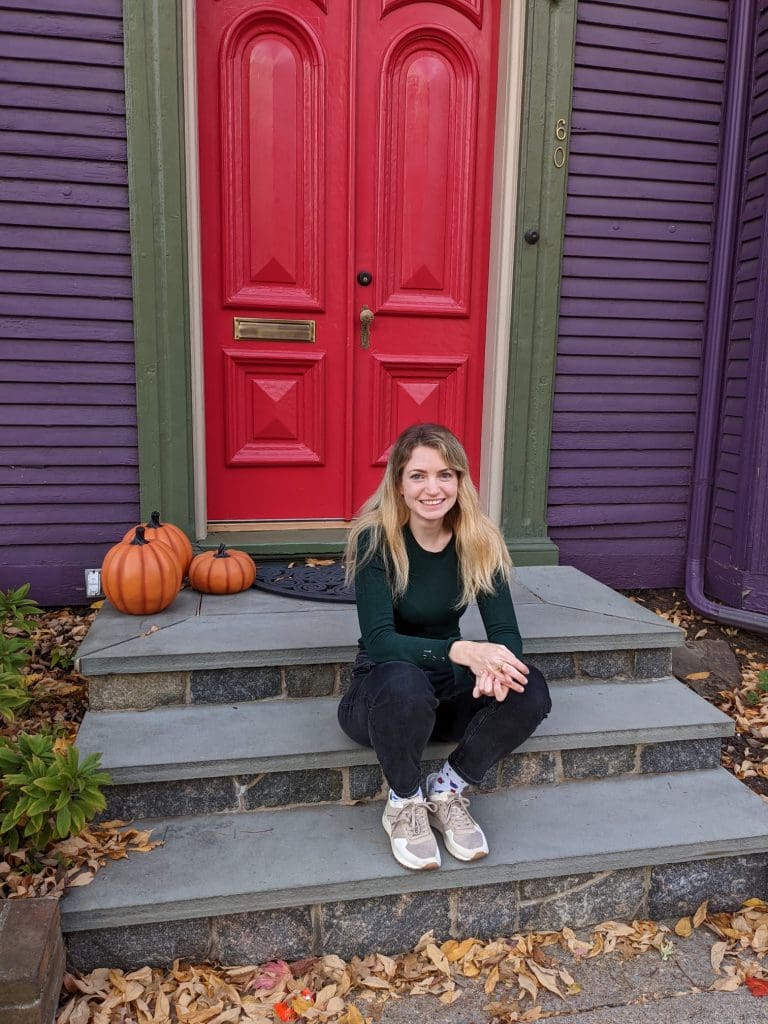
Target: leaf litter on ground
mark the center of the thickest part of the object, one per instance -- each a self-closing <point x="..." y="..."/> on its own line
<point x="70" y="862"/>
<point x="514" y="972"/>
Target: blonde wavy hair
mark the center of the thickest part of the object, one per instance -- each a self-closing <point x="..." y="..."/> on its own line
<point x="480" y="547"/>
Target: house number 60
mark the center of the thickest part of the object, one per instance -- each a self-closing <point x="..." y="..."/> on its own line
<point x="561" y="134"/>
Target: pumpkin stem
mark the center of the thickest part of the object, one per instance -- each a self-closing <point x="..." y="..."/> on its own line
<point x="222" y="552"/>
<point x="154" y="521"/>
<point x="138" y="537"/>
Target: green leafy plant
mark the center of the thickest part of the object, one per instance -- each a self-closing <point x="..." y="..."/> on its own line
<point x="61" y="657"/>
<point x="14" y="653"/>
<point x="18" y="610"/>
<point x="763" y="680"/>
<point x="44" y="794"/>
<point x="18" y="616"/>
<point x="14" y="695"/>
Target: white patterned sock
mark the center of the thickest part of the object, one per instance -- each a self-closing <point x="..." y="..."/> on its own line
<point x="398" y="801"/>
<point x="447" y="780"/>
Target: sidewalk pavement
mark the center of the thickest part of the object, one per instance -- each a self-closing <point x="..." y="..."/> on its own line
<point x="642" y="990"/>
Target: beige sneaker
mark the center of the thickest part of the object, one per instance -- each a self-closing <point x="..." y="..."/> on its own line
<point x="413" y="842"/>
<point x="462" y="836"/>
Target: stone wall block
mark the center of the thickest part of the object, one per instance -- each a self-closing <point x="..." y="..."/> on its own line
<point x="281" y="789"/>
<point x="384" y="924"/>
<point x="139" y="692"/>
<point x="553" y="666"/>
<point x="605" y="664"/>
<point x="263" y="935"/>
<point x="678" y="889"/>
<point x="598" y="762"/>
<point x="157" y="945"/>
<point x="230" y="685"/>
<point x="366" y="782"/>
<point x="536" y="768"/>
<point x="653" y="664"/>
<point x="680" y="756"/>
<point x="487" y="911"/>
<point x="170" y="799"/>
<point x="309" y="680"/>
<point x="582" y="900"/>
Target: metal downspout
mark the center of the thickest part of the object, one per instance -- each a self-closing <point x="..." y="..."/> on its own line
<point x="738" y="80"/>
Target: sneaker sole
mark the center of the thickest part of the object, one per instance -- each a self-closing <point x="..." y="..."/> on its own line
<point x="458" y="851"/>
<point x="415" y="863"/>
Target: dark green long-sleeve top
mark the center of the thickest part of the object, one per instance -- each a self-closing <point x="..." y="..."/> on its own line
<point x="422" y="625"/>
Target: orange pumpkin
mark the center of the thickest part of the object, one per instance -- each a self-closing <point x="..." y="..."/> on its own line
<point x="171" y="535"/>
<point x="140" y="577"/>
<point x="225" y="571"/>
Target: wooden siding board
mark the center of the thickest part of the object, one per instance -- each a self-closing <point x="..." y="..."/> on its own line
<point x="63" y="195"/>
<point x="102" y="8"/>
<point x="648" y="92"/>
<point x="68" y="76"/>
<point x="658" y="19"/>
<point x="37" y="97"/>
<point x="23" y="454"/>
<point x="67" y="399"/>
<point x="53" y="169"/>
<point x="57" y="25"/>
<point x="51" y="52"/>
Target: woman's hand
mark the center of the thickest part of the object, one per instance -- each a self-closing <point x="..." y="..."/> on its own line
<point x="490" y="686"/>
<point x="494" y="666"/>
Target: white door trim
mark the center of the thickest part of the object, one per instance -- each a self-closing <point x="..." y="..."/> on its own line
<point x="500" y="269"/>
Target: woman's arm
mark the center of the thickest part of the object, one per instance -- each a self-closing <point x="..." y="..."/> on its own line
<point x="496" y="664"/>
<point x="377" y="623"/>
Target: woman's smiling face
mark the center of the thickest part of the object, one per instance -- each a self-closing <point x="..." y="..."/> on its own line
<point x="429" y="487"/>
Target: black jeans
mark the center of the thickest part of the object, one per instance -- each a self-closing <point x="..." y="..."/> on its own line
<point x="397" y="708"/>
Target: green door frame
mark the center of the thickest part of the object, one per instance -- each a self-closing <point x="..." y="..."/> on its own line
<point x="156" y="178"/>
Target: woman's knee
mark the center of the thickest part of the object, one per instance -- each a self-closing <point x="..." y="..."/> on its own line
<point x="402" y="685"/>
<point x="537" y="699"/>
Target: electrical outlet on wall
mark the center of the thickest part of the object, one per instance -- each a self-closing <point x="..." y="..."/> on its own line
<point x="92" y="582"/>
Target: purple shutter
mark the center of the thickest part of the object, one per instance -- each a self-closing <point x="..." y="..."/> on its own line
<point x="68" y="465"/>
<point x="647" y="103"/>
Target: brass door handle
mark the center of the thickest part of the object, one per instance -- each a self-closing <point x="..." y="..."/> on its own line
<point x="366" y="319"/>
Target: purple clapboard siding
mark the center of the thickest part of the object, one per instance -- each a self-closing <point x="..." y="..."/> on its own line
<point x="68" y="457"/>
<point x="645" y="130"/>
<point x="735" y="568"/>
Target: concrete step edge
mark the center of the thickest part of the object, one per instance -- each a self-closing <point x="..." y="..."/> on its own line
<point x="303" y="734"/>
<point x="226" y="864"/>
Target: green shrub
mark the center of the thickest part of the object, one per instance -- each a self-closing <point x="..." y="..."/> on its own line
<point x="44" y="794"/>
<point x="18" y="610"/>
<point x="14" y="695"/>
<point x="17" y="613"/>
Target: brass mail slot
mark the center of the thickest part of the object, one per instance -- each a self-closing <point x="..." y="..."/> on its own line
<point x="252" y="329"/>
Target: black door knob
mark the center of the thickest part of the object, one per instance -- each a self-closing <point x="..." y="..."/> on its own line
<point x="364" y="277"/>
<point x="531" y="236"/>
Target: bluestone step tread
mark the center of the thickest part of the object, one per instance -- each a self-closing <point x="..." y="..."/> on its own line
<point x="256" y="628"/>
<point x="200" y="741"/>
<point x="224" y="864"/>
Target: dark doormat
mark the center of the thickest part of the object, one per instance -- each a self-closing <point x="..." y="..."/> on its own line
<point x="308" y="582"/>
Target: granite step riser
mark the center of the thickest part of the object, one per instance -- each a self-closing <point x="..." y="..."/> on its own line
<point x="393" y="924"/>
<point x="143" y="691"/>
<point x="365" y="783"/>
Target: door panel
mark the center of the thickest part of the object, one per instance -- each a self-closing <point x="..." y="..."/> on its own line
<point x="273" y="125"/>
<point x="334" y="138"/>
<point x="428" y="71"/>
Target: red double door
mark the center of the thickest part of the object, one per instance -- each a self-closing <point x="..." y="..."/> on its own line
<point x="345" y="170"/>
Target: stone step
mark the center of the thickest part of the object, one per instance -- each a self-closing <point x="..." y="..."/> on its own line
<point x="272" y="753"/>
<point x="209" y="649"/>
<point x="250" y="887"/>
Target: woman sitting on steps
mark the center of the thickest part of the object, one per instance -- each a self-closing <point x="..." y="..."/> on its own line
<point x="420" y="552"/>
